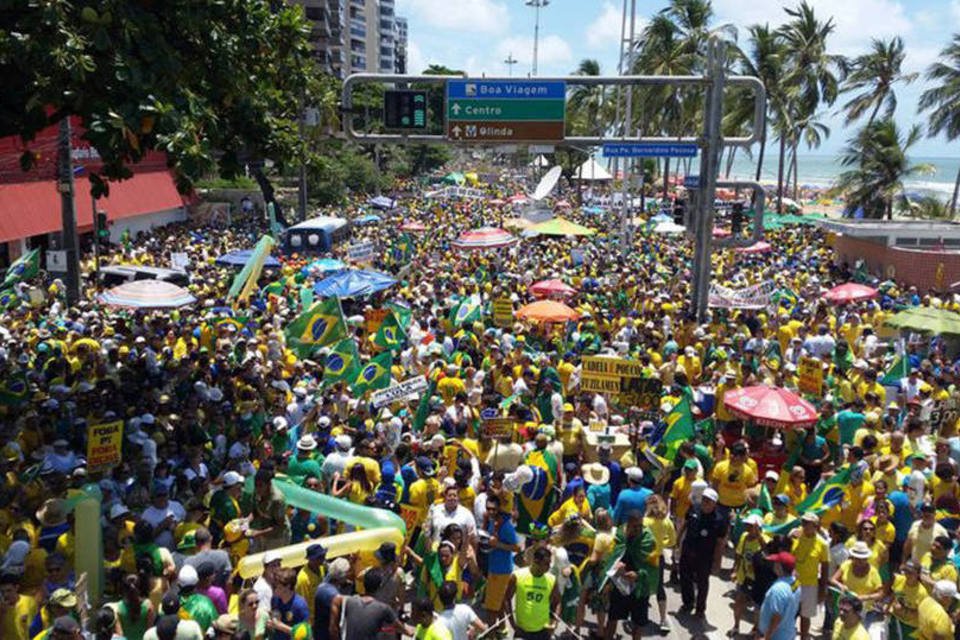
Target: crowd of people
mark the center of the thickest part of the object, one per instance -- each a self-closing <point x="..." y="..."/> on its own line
<point x="578" y="520"/>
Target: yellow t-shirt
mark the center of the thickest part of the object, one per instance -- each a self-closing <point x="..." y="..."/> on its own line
<point x="746" y="548"/>
<point x="15" y="622"/>
<point x="680" y="495"/>
<point x="943" y="571"/>
<point x="860" y="585"/>
<point x="934" y="621"/>
<point x="810" y="554"/>
<point x="841" y="632"/>
<point x="732" y="481"/>
<point x="909" y="597"/>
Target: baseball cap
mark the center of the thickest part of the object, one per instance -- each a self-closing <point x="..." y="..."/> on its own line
<point x="690" y="465"/>
<point x="635" y="474"/>
<point x="188" y="575"/>
<point x="945" y="589"/>
<point x="711" y="494"/>
<point x="232" y="479"/>
<point x="64" y="598"/>
<point x="785" y="559"/>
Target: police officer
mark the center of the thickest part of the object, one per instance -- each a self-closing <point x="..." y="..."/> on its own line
<point x="703" y="535"/>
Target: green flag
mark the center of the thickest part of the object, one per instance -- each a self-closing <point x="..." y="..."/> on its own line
<point x="390" y="335"/>
<point x="342" y="363"/>
<point x="897" y="372"/>
<point x="8" y="298"/>
<point x="679" y="428"/>
<point x="764" y="503"/>
<point x="374" y="375"/>
<point x="772" y="355"/>
<point x="827" y="493"/>
<point x="404" y="314"/>
<point x="423" y="409"/>
<point x="318" y="326"/>
<point x="467" y="310"/>
<point x="24" y="268"/>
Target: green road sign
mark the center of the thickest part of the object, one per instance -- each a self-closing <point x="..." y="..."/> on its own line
<point x="506" y="110"/>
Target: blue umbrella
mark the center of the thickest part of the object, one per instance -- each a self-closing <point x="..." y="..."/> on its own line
<point x="349" y="284"/>
<point x="370" y="218"/>
<point x="240" y="259"/>
<point x="326" y="265"/>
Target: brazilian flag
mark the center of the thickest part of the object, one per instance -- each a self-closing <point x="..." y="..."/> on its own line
<point x="342" y="363"/>
<point x="467" y="310"/>
<point x="826" y="494"/>
<point x="14" y="391"/>
<point x="772" y="356"/>
<point x="374" y="375"/>
<point x="391" y="334"/>
<point x="8" y="298"/>
<point x="24" y="268"/>
<point x="404" y="314"/>
<point x="318" y="326"/>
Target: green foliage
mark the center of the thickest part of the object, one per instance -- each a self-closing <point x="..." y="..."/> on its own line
<point x="210" y="82"/>
<point x="239" y="182"/>
<point x="873" y="75"/>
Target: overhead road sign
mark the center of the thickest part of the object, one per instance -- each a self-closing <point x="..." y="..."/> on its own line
<point x="505" y="110"/>
<point x="649" y="150"/>
<point x="405" y="109"/>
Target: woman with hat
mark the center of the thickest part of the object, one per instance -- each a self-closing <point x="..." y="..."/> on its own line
<point x="597" y="478"/>
<point x="858" y="576"/>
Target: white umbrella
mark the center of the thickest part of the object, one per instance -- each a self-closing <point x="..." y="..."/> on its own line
<point x="669" y="227"/>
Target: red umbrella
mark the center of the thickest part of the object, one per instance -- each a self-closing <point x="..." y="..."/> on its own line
<point x="484" y="238"/>
<point x="551" y="289"/>
<point x="413" y="226"/>
<point x="720" y="233"/>
<point x="756" y="247"/>
<point x="850" y="292"/>
<point x="770" y="407"/>
<point x="547" y="311"/>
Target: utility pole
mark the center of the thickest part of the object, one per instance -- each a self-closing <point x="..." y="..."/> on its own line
<point x="627" y="129"/>
<point x="68" y="213"/>
<point x="710" y="159"/>
<point x="536" y="4"/>
<point x="510" y="61"/>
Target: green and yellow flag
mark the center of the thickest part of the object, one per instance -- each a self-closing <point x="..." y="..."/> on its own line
<point x="342" y="363"/>
<point x="467" y="310"/>
<point x="404" y="314"/>
<point x="318" y="326"/>
<point x="374" y="375"/>
<point x="24" y="268"/>
<point x="14" y="391"/>
<point x="391" y="334"/>
<point x="679" y="428"/>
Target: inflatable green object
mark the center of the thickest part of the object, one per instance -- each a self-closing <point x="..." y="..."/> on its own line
<point x="88" y="535"/>
<point x="335" y="508"/>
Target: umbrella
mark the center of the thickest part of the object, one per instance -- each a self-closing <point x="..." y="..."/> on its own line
<point x="850" y="292"/>
<point x="484" y="238"/>
<point x="240" y="259"/>
<point x="721" y="233"/>
<point x="926" y="320"/>
<point x="562" y="227"/>
<point x="669" y="227"/>
<point x="349" y="284"/>
<point x="370" y="218"/>
<point x="326" y="265"/>
<point x="147" y="294"/>
<point x="413" y="226"/>
<point x="770" y="407"/>
<point x="547" y="311"/>
<point x="551" y="288"/>
<point x="756" y="247"/>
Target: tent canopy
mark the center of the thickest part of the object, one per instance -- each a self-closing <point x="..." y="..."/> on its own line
<point x="147" y="294"/>
<point x="540" y="161"/>
<point x="591" y="170"/>
<point x="926" y="320"/>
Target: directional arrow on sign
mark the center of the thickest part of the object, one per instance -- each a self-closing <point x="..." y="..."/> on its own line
<point x="456" y="131"/>
<point x="455" y="108"/>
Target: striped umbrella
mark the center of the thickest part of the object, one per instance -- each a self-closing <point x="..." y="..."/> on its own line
<point x="147" y="294"/>
<point x="484" y="238"/>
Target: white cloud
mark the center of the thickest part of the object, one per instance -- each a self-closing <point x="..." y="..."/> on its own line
<point x="955" y="10"/>
<point x="474" y="16"/>
<point x="416" y="62"/>
<point x="604" y="31"/>
<point x="552" y="51"/>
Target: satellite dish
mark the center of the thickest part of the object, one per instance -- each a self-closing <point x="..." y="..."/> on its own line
<point x="547" y="183"/>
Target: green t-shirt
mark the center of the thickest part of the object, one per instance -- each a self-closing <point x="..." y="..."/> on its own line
<point x="308" y="468"/>
<point x="848" y="422"/>
<point x="199" y="608"/>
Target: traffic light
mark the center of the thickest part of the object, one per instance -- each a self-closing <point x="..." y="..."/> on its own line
<point x="100" y="225"/>
<point x="405" y="109"/>
<point x="736" y="218"/>
<point x="679" y="209"/>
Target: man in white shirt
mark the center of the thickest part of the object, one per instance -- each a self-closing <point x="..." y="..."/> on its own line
<point x="163" y="515"/>
<point x="450" y="511"/>
<point x="459" y="619"/>
<point x="264" y="584"/>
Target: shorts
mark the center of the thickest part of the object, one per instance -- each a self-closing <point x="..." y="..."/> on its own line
<point x="624" y="606"/>
<point x="495" y="590"/>
<point x="809" y="601"/>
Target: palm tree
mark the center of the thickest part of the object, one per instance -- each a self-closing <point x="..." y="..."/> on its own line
<point x="764" y="60"/>
<point x="811" y="77"/>
<point x="873" y="75"/>
<point x="943" y="101"/>
<point x="587" y="102"/>
<point x="878" y="165"/>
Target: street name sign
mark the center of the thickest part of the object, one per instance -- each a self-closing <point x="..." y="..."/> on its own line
<point x="506" y="110"/>
<point x="649" y="150"/>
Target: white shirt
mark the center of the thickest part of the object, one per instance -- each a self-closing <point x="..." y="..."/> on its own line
<point x="155" y="516"/>
<point x="265" y="592"/>
<point x="439" y="519"/>
<point x="458" y="620"/>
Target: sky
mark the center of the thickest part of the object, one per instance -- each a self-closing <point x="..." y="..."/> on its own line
<point x="478" y="35"/>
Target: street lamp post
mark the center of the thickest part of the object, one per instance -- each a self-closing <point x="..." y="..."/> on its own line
<point x="510" y="61"/>
<point x="536" y="4"/>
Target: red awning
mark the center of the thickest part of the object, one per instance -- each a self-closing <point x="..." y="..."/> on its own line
<point x="33" y="208"/>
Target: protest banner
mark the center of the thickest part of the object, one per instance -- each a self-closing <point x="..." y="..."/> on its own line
<point x="104" y="445"/>
<point x="503" y="312"/>
<point x="811" y="376"/>
<point x="495" y="428"/>
<point x="361" y="251"/>
<point x="409" y="387"/>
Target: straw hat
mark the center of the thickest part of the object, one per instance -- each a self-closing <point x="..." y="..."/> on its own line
<point x="53" y="513"/>
<point x="860" y="550"/>
<point x="595" y="473"/>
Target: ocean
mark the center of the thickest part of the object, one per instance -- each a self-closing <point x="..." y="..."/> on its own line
<point x="820" y="170"/>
